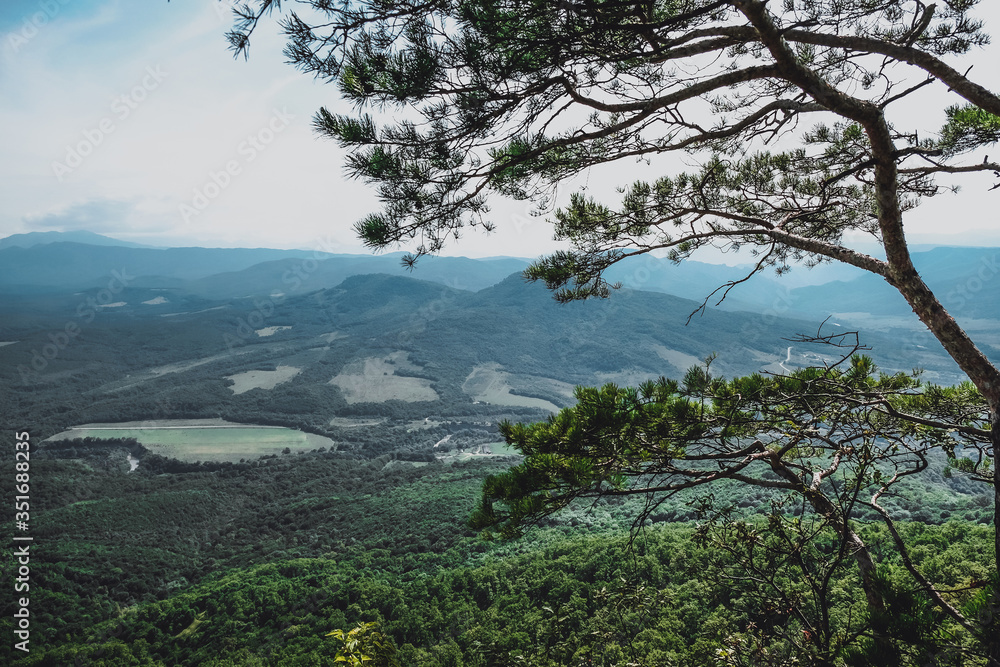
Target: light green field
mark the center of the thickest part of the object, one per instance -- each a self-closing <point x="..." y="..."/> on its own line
<point x="503" y="449"/>
<point x="679" y="360"/>
<point x="269" y="331"/>
<point x="204" y="439"/>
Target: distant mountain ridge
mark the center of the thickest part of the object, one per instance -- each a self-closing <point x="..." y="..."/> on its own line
<point x="966" y="280"/>
<point x="31" y="239"/>
<point x="963" y="277"/>
<point x="77" y="265"/>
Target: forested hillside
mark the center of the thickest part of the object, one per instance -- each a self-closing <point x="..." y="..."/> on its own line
<point x="154" y="353"/>
<point x="253" y="563"/>
<point x="250" y="560"/>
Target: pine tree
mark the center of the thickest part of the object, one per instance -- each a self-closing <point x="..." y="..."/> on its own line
<point x="515" y="96"/>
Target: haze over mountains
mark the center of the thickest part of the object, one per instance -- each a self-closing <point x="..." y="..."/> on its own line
<point x="331" y="335"/>
<point x="31" y="239"/>
<point x="962" y="276"/>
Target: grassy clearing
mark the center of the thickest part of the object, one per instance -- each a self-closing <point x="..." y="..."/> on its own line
<point x="679" y="360"/>
<point x="269" y="331"/>
<point x="373" y="380"/>
<point x="196" y="440"/>
<point x="244" y="382"/>
<point x="488" y="384"/>
<point x="503" y="449"/>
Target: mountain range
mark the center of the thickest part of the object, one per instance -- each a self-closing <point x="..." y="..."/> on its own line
<point x="184" y="305"/>
<point x="962" y="276"/>
<point x="313" y="341"/>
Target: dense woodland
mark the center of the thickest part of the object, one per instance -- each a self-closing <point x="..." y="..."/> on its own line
<point x="251" y="564"/>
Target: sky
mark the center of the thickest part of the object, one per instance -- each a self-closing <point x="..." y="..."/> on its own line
<point x="133" y="120"/>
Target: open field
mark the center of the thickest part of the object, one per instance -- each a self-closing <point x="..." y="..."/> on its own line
<point x="373" y="380"/>
<point x="244" y="382"/>
<point x="270" y="331"/>
<point x="679" y="360"/>
<point x="332" y="336"/>
<point x="488" y="384"/>
<point x="204" y="439"/>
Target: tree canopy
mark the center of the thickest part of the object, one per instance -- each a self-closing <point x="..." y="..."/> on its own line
<point x="514" y="96"/>
<point x="795" y="118"/>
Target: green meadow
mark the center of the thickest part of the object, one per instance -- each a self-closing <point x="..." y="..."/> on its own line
<point x="205" y="440"/>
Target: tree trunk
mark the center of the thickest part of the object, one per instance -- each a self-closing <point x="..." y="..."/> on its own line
<point x="856" y="546"/>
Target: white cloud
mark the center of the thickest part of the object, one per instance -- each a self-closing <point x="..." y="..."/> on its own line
<point x="91" y="62"/>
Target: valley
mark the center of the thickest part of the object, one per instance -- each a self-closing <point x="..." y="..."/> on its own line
<point x="224" y="474"/>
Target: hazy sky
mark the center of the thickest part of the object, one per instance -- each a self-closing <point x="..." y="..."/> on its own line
<point x="132" y="119"/>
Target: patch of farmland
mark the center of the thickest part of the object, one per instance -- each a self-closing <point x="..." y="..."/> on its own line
<point x="204" y="439"/>
<point x="374" y="380"/>
<point x="332" y="336"/>
<point x="244" y="382"/>
<point x="679" y="360"/>
<point x="269" y="331"/>
<point x="488" y="384"/>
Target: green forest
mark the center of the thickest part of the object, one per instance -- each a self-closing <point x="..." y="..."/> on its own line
<point x="253" y="564"/>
